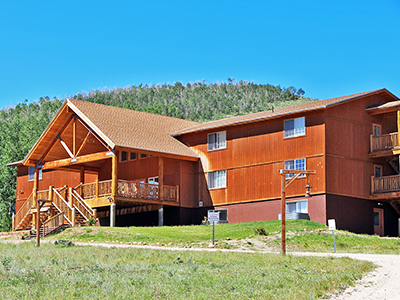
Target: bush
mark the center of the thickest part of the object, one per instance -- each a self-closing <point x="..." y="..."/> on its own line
<point x="260" y="231"/>
<point x="92" y="221"/>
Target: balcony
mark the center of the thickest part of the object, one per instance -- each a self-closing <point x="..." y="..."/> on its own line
<point x="133" y="191"/>
<point x="383" y="145"/>
<point x="386" y="187"/>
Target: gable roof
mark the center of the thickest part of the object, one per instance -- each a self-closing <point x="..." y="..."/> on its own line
<point x="118" y="127"/>
<point x="264" y="115"/>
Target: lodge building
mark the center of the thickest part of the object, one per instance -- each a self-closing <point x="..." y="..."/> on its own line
<point x="126" y="167"/>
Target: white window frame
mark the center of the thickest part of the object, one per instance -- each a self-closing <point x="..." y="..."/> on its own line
<point x="299" y="127"/>
<point x="219" y="141"/>
<point x="298" y="205"/>
<point x="31" y="174"/>
<point x="217" y="179"/>
<point x="153" y="180"/>
<point x="295" y="164"/>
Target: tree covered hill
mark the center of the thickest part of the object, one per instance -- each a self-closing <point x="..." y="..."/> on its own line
<point x="21" y="126"/>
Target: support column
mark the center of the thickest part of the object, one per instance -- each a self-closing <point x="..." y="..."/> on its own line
<point x="82" y="174"/>
<point x="283" y="213"/>
<point x="398" y="127"/>
<point x="161" y="216"/>
<point x="37" y="219"/>
<point x="113" y="214"/>
<point x="114" y="179"/>
<point x="161" y="178"/>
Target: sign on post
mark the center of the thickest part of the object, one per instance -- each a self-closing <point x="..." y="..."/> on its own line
<point x="332" y="226"/>
<point x="213" y="217"/>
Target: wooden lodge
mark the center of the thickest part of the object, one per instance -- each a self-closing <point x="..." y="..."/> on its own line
<point x="125" y="167"/>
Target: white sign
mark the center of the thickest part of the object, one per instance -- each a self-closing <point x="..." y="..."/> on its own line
<point x="213" y="217"/>
<point x="332" y="224"/>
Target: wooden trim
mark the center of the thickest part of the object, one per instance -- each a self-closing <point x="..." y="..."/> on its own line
<point x="79" y="160"/>
<point x="83" y="143"/>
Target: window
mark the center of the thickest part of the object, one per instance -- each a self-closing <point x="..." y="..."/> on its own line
<point x="297" y="206"/>
<point x="153" y="180"/>
<point x="376" y="129"/>
<point x="142" y="155"/>
<point x="295" y="164"/>
<point x="132" y="155"/>
<point x="217" y="179"/>
<point x="123" y="156"/>
<point x="31" y="175"/>
<point x="377" y="171"/>
<point x="295" y="127"/>
<point x="217" y="140"/>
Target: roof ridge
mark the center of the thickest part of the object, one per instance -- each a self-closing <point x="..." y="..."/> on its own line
<point x="129" y="109"/>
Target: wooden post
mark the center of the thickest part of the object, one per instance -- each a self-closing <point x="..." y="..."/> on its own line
<point x="372" y="185"/>
<point x="398" y="127"/>
<point x="82" y="175"/>
<point x="51" y="198"/>
<point x="73" y="216"/>
<point x="95" y="213"/>
<point x="71" y="199"/>
<point x="283" y="213"/>
<point x="161" y="178"/>
<point x="74" y="137"/>
<point x="97" y="188"/>
<point x="114" y="179"/>
<point x="35" y="200"/>
<point x="177" y="194"/>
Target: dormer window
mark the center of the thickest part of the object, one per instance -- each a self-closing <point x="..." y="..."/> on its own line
<point x="217" y="140"/>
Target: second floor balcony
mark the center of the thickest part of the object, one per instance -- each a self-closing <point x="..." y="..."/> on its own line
<point x="384" y="143"/>
<point x="385" y="187"/>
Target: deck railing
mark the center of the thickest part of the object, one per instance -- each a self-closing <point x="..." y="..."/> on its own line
<point x="142" y="190"/>
<point x="385" y="184"/>
<point x="384" y="142"/>
<point x="94" y="189"/>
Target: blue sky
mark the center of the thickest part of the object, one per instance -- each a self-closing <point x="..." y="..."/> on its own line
<point x="327" y="48"/>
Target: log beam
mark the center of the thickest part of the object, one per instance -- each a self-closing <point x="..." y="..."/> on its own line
<point x="77" y="160"/>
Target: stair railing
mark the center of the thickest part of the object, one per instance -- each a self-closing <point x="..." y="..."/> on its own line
<point x="52" y="224"/>
<point x="63" y="206"/>
<point x="23" y="211"/>
<point x="81" y="206"/>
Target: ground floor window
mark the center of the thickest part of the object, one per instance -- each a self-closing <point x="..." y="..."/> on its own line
<point x="297" y="206"/>
<point x="217" y="179"/>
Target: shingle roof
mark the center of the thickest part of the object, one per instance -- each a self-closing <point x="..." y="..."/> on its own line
<point x="133" y="129"/>
<point x="255" y="117"/>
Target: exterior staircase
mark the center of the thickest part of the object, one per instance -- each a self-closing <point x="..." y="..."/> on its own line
<point x="55" y="211"/>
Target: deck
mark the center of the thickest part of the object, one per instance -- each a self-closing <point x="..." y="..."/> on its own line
<point x="383" y="145"/>
<point x="98" y="194"/>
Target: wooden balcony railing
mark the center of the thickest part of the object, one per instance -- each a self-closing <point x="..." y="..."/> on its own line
<point x="94" y="189"/>
<point x="384" y="142"/>
<point x="137" y="189"/>
<point x="385" y="184"/>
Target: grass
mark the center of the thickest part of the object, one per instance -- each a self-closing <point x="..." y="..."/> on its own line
<point x="84" y="272"/>
<point x="302" y="235"/>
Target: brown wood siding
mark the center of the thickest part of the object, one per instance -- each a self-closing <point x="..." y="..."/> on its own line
<point x="254" y="154"/>
<point x="348" y="130"/>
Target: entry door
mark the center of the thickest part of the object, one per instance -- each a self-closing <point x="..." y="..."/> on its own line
<point x="378" y="222"/>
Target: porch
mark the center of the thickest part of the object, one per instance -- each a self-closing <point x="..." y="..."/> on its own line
<point x="386" y="189"/>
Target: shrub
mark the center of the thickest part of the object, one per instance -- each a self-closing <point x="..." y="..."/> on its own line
<point x="260" y="231"/>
